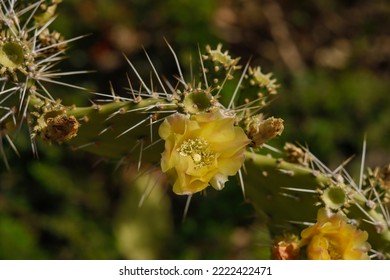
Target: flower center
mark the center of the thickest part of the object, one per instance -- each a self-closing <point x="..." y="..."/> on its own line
<point x="333" y="251"/>
<point x="199" y="151"/>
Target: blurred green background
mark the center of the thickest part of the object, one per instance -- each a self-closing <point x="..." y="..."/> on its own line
<point x="332" y="59"/>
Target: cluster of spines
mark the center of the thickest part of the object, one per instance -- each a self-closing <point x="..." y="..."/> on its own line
<point x="29" y="54"/>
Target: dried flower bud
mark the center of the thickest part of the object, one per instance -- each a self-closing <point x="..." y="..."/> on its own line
<point x="260" y="130"/>
<point x="60" y="128"/>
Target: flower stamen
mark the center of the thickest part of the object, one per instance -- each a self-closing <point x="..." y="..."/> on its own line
<point x="199" y="150"/>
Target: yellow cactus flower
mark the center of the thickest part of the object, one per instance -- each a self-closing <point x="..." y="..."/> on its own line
<point x="332" y="238"/>
<point x="201" y="149"/>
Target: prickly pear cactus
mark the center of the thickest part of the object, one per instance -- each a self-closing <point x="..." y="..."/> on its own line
<point x="201" y="131"/>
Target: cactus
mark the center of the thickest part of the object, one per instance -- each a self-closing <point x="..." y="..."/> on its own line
<point x="202" y="131"/>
